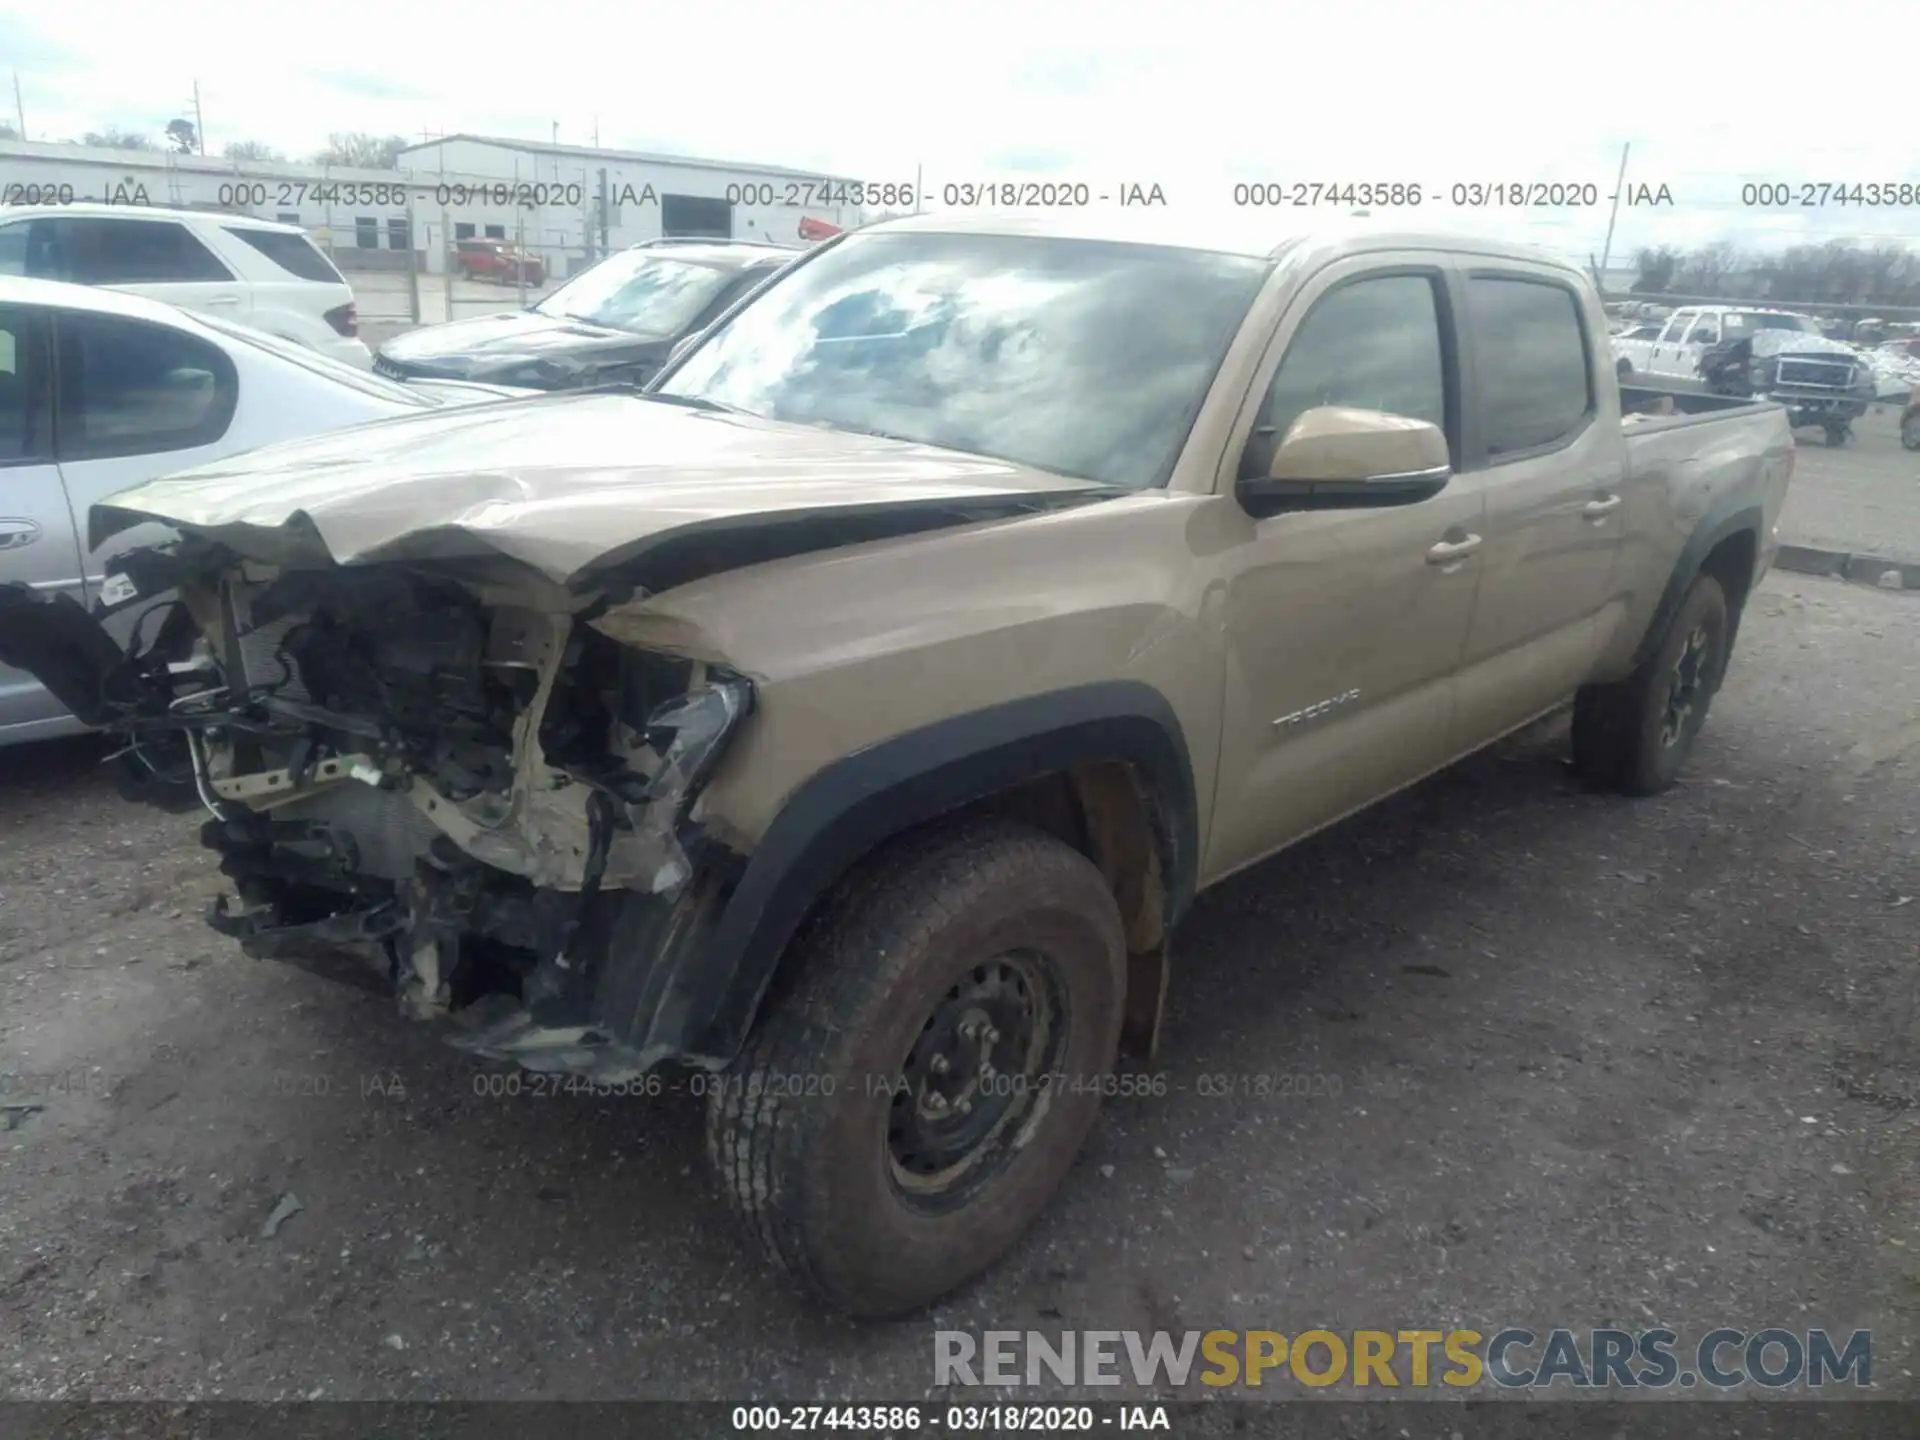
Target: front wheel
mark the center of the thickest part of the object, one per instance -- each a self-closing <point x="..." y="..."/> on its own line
<point x="1838" y="435"/>
<point x="1635" y="735"/>
<point x="1910" y="431"/>
<point x="898" y="1121"/>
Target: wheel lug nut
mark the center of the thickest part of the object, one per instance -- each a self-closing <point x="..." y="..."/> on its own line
<point x="936" y="1103"/>
<point x="939" y="1065"/>
<point x="993" y="1036"/>
<point x="964" y="1107"/>
<point x="986" y="1070"/>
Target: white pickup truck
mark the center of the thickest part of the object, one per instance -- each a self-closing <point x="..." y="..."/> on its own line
<point x="1757" y="354"/>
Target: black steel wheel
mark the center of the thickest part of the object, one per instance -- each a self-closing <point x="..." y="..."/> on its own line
<point x="907" y="1108"/>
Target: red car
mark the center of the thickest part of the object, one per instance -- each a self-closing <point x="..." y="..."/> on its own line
<point x="497" y="260"/>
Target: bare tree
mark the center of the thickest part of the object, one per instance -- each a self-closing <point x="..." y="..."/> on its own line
<point x="1656" y="270"/>
<point x="1840" y="272"/>
<point x="114" y="138"/>
<point x="362" y="151"/>
<point x="251" y="150"/>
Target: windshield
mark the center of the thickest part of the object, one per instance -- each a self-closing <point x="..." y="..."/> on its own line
<point x="320" y="364"/>
<point x="1737" y="324"/>
<point x="647" y="293"/>
<point x="1088" y="359"/>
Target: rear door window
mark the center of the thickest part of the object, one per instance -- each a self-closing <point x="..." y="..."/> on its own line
<point x="13" y="249"/>
<point x="295" y="254"/>
<point x="1535" y="380"/>
<point x="25" y="434"/>
<point x="131" y="387"/>
<point x="89" y="250"/>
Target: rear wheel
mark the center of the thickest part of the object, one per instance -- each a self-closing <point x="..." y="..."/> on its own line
<point x="1910" y="431"/>
<point x="898" y="1121"/>
<point x="1624" y="368"/>
<point x="1839" y="434"/>
<point x="1635" y="735"/>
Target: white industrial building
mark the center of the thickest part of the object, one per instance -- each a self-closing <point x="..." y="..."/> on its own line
<point x="569" y="204"/>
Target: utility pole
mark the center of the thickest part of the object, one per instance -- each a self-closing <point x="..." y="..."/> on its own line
<point x="556" y="132"/>
<point x="596" y="132"/>
<point x="199" y="121"/>
<point x="1619" y="184"/>
<point x="19" y="109"/>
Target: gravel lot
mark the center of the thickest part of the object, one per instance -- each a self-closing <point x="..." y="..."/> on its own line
<point x="1861" y="499"/>
<point x="1598" y="1062"/>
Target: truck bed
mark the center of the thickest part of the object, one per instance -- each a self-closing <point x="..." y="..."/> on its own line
<point x="1689" y="404"/>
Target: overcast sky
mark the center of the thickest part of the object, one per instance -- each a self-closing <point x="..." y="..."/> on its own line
<point x="1190" y="96"/>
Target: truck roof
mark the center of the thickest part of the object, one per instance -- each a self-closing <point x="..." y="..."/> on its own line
<point x="100" y="209"/>
<point x="1250" y="232"/>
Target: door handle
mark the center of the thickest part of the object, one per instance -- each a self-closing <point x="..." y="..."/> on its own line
<point x="223" y="300"/>
<point x="1601" y="508"/>
<point x="1449" y="551"/>
<point x="18" y="534"/>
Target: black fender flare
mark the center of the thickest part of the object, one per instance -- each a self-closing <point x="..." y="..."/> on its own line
<point x="865" y="798"/>
<point x="1732" y="516"/>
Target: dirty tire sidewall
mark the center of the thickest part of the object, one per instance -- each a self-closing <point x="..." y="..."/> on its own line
<point x="1910" y="432"/>
<point x="1650" y="766"/>
<point x="818" y="1179"/>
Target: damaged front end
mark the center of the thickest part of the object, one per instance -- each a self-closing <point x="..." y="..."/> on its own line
<point x="436" y="778"/>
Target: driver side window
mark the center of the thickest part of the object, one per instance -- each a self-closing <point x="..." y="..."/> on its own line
<point x="1372" y="344"/>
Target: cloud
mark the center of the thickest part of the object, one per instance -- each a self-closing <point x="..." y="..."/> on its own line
<point x="1192" y="96"/>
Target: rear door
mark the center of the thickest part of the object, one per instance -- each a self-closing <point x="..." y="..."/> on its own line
<point x="1664" y="357"/>
<point x="291" y="283"/>
<point x="38" y="542"/>
<point x="137" y="400"/>
<point x="161" y="259"/>
<point x="1552" y="471"/>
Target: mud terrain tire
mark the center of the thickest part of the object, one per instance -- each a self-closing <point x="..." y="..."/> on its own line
<point x="1634" y="736"/>
<point x="840" y="1136"/>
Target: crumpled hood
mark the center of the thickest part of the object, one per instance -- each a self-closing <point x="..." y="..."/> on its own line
<point x="577" y="486"/>
<point x="490" y="346"/>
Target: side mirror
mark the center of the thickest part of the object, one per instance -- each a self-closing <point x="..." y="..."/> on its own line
<point x="1334" y="458"/>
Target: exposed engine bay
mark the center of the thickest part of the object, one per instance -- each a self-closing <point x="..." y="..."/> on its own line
<point x="413" y="778"/>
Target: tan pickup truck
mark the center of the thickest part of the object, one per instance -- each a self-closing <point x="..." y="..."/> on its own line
<point x="840" y="729"/>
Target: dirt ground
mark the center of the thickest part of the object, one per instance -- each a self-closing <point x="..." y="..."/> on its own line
<point x="1581" y="1061"/>
<point x="1863" y="498"/>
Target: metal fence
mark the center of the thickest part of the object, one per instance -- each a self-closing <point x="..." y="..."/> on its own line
<point x="408" y="272"/>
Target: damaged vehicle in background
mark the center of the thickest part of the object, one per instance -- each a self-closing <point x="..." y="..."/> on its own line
<point x="1773" y="355"/>
<point x="614" y="323"/>
<point x="847" y="722"/>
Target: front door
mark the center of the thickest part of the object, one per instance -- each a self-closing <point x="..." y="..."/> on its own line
<point x="1343" y="628"/>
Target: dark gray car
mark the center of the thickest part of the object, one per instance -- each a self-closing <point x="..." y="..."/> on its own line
<point x="615" y="322"/>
